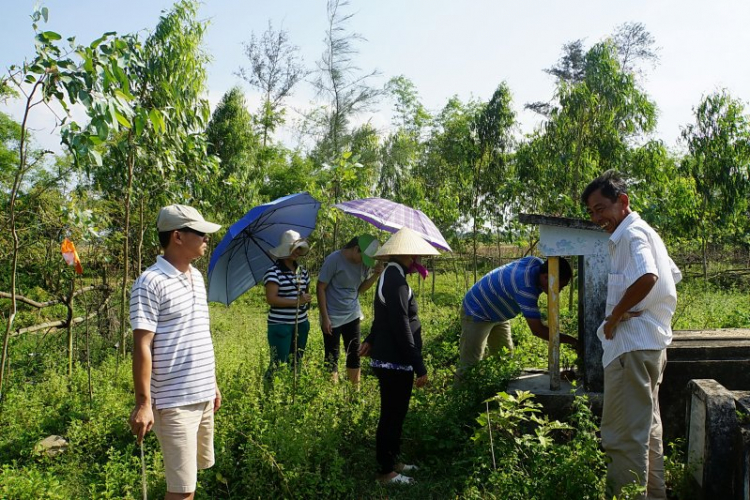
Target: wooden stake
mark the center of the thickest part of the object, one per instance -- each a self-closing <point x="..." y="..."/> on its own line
<point x="553" y="321"/>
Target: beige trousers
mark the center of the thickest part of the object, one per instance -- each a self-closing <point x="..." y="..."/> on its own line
<point x="186" y="436"/>
<point x="476" y="336"/>
<point x="631" y="422"/>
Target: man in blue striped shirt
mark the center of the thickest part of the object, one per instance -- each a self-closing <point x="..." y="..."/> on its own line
<point x="500" y="296"/>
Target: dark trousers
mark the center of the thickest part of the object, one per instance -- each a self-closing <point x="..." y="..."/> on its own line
<point x="350" y="333"/>
<point x="395" y="393"/>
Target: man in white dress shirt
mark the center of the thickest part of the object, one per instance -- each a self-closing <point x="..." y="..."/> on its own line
<point x="641" y="300"/>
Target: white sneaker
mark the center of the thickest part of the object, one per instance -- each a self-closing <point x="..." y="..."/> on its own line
<point x="408" y="468"/>
<point x="397" y="479"/>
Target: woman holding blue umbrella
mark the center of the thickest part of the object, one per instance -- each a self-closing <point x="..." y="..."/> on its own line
<point x="288" y="293"/>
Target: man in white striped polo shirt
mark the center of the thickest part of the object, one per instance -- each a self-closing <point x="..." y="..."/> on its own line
<point x="173" y="355"/>
<point x="641" y="300"/>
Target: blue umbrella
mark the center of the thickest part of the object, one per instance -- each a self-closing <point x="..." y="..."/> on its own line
<point x="242" y="257"/>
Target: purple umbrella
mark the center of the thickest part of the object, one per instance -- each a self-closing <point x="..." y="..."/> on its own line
<point x="391" y="216"/>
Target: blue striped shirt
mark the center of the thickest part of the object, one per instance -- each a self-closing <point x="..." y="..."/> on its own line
<point x="505" y="292"/>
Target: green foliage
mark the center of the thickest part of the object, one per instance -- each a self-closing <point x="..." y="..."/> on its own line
<point x="677" y="473"/>
<point x="322" y="445"/>
<point x="149" y="135"/>
<point x="231" y="137"/>
<point x="591" y="130"/>
<point x="10" y="135"/>
<point x="537" y="457"/>
<point x="719" y="165"/>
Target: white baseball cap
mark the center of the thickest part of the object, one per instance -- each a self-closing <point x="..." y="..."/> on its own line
<point x="179" y="216"/>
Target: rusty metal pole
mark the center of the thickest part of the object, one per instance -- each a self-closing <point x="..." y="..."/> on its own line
<point x="553" y="321"/>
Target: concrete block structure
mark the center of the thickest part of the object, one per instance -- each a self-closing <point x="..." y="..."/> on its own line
<point x="718" y="439"/>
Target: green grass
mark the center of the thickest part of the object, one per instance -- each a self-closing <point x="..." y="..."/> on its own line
<point x="317" y="442"/>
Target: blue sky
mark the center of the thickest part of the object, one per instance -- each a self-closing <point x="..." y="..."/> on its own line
<point x="446" y="47"/>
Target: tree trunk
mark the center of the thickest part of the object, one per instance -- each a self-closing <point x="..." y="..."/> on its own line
<point x="141" y="230"/>
<point x="14" y="233"/>
<point x="69" y="305"/>
<point x="126" y="247"/>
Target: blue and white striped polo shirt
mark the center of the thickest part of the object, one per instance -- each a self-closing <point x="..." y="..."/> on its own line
<point x="506" y="291"/>
<point x="174" y="306"/>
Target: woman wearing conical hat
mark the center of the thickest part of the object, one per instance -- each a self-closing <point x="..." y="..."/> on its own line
<point x="395" y="347"/>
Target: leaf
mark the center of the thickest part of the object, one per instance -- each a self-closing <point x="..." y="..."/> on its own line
<point x="51" y="35"/>
<point x="122" y="120"/>
<point x="157" y="120"/>
<point x="45" y="13"/>
<point x="123" y="96"/>
<point x="96" y="157"/>
<point x="102" y="129"/>
<point x="99" y="40"/>
<point x="84" y="97"/>
<point x="140" y="123"/>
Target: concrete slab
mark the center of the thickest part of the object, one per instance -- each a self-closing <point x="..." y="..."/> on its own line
<point x="722" y="355"/>
<point x="556" y="404"/>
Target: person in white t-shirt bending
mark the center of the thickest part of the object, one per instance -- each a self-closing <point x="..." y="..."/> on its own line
<point x="173" y="355"/>
<point x="641" y="300"/>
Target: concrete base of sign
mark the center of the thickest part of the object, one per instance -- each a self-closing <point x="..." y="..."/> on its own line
<point x="556" y="404"/>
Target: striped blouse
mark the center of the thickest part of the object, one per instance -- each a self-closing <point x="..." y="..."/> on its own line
<point x="173" y="306"/>
<point x="287" y="281"/>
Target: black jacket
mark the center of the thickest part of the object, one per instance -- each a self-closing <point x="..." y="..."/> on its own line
<point x="396" y="335"/>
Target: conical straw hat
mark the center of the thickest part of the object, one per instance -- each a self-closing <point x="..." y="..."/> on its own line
<point x="405" y="242"/>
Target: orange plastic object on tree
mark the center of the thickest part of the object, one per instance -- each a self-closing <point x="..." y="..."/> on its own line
<point x="70" y="255"/>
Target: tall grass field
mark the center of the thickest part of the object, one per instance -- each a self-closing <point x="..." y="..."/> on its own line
<point x="319" y="441"/>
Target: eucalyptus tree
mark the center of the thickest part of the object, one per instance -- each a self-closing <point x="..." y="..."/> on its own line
<point x="719" y="164"/>
<point x="289" y="172"/>
<point x="351" y="175"/>
<point x="232" y="139"/>
<point x="445" y="170"/>
<point x="634" y="46"/>
<point x="662" y="192"/>
<point x="74" y="74"/>
<point x="275" y="69"/>
<point x="403" y="147"/>
<point x="162" y="157"/>
<point x="491" y="130"/>
<point x="595" y="126"/>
